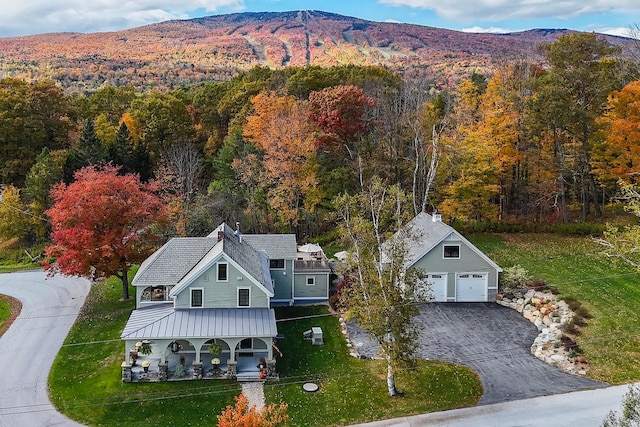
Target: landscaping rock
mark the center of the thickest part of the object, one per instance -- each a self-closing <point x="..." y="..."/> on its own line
<point x="548" y="315"/>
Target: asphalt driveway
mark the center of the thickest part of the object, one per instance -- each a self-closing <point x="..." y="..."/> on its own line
<point x="27" y="349"/>
<point x="492" y="340"/>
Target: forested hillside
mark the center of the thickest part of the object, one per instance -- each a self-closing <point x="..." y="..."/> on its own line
<point x="534" y="142"/>
<point x="172" y="54"/>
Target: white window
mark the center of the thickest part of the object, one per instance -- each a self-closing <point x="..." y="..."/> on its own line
<point x="197" y="297"/>
<point x="223" y="272"/>
<point x="311" y="281"/>
<point x="244" y="297"/>
<point x="451" y="251"/>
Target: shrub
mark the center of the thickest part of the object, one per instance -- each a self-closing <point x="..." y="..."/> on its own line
<point x="630" y="410"/>
<point x="583" y="312"/>
<point x="180" y="372"/>
<point x="572" y="303"/>
<point x="570" y="344"/>
<point x="515" y="277"/>
<point x="538" y="285"/>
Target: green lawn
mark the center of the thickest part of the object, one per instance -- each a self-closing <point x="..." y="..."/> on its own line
<point x="5" y="310"/>
<point x="354" y="390"/>
<point x="85" y="379"/>
<point x="609" y="290"/>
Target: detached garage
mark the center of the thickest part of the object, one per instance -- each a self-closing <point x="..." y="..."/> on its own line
<point x="456" y="270"/>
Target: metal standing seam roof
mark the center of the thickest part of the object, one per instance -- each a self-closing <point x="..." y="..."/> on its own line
<point x="165" y="322"/>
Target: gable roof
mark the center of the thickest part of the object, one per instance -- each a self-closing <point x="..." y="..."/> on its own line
<point x="243" y="255"/>
<point x="169" y="264"/>
<point x="163" y="321"/>
<point x="276" y="246"/>
<point x="182" y="260"/>
<point x="428" y="234"/>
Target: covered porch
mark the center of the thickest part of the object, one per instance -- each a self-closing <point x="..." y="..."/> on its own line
<point x="218" y="343"/>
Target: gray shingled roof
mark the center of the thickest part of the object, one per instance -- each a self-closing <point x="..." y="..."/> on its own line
<point x="276" y="246"/>
<point x="165" y="322"/>
<point x="242" y="251"/>
<point x="427" y="233"/>
<point x="169" y="264"/>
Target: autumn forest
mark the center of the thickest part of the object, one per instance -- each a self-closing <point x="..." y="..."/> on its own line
<point x="531" y="143"/>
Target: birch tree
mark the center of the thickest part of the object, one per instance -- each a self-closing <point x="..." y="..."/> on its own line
<point x="382" y="295"/>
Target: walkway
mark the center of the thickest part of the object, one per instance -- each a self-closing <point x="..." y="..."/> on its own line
<point x="28" y="348"/>
<point x="254" y="390"/>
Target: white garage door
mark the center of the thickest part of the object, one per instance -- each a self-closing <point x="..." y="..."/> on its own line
<point x="438" y="286"/>
<point x="471" y="287"/>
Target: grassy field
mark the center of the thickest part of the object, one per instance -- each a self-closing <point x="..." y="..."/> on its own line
<point x="610" y="291"/>
<point x="85" y="379"/>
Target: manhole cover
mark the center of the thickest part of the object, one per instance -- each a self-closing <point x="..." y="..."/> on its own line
<point x="310" y="387"/>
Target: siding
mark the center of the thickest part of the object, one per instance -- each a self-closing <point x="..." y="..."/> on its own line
<point x="222" y="294"/>
<point x="469" y="261"/>
<point x="319" y="290"/>
<point x="282" y="282"/>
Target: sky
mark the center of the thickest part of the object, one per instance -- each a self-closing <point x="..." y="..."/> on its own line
<point x="25" y="17"/>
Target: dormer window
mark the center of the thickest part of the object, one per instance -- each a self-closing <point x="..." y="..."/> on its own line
<point x="451" y="251"/>
<point x="223" y="272"/>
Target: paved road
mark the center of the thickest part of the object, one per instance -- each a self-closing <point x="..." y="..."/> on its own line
<point x="492" y="340"/>
<point x="583" y="408"/>
<point x="28" y="348"/>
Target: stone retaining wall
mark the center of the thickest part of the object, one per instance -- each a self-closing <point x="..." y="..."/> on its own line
<point x="549" y="315"/>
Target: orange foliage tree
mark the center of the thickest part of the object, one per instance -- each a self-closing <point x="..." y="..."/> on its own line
<point x="620" y="153"/>
<point x="241" y="415"/>
<point x="280" y="129"/>
<point x="102" y="223"/>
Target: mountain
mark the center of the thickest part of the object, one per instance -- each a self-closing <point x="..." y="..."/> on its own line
<point x="174" y="53"/>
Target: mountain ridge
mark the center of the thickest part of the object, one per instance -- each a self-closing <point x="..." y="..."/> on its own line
<point x="173" y="53"/>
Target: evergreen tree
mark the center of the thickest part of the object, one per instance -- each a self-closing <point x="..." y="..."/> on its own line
<point x="120" y="151"/>
<point x="87" y="151"/>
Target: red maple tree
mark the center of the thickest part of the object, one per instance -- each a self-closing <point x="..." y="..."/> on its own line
<point x="102" y="223"/>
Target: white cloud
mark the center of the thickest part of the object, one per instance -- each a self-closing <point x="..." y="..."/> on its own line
<point x="500" y="10"/>
<point x="493" y="30"/>
<point x="42" y="16"/>
<point x="617" y="31"/>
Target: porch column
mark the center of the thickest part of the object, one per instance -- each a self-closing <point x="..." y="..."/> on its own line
<point x="126" y="372"/>
<point x="232" y="343"/>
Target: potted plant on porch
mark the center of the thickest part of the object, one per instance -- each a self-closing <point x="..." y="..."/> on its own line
<point x="215" y="348"/>
<point x="145" y="347"/>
